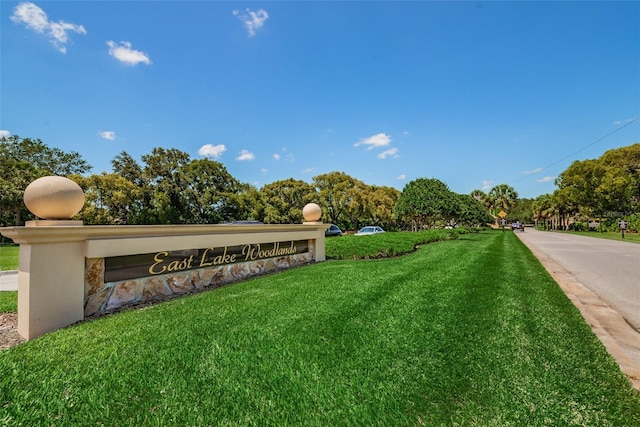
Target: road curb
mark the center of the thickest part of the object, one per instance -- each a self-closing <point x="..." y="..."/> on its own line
<point x="618" y="337"/>
<point x="8" y="272"/>
<point x="8" y="280"/>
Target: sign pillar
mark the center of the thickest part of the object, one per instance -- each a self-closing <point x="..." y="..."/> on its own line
<point x="50" y="287"/>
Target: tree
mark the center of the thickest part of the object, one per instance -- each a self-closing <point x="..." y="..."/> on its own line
<point x="578" y="187"/>
<point x="128" y="168"/>
<point x="353" y="216"/>
<point x="47" y="160"/>
<point x="607" y="186"/>
<point x="424" y="202"/>
<point x="471" y="212"/>
<point x="336" y="196"/>
<point x="22" y="160"/>
<point x="542" y="209"/>
<point x="209" y="192"/>
<point x="522" y="211"/>
<point x="247" y="203"/>
<point x="503" y="197"/>
<point x="163" y="173"/>
<point x="283" y="200"/>
<point x="15" y="176"/>
<point x="621" y="181"/>
<point x="373" y="204"/>
<point x="109" y="199"/>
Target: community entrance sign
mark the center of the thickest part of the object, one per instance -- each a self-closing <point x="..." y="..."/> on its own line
<point x="69" y="271"/>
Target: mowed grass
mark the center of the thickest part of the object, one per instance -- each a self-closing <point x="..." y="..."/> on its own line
<point x="469" y="332"/>
<point x="385" y="245"/>
<point x="8" y="302"/>
<point x="9" y="257"/>
<point x="628" y="237"/>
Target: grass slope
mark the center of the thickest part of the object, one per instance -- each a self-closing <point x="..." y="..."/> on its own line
<point x="464" y="332"/>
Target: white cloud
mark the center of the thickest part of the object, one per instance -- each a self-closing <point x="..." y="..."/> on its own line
<point x="627" y="121"/>
<point x="309" y="170"/>
<point x="387" y="153"/>
<point x="245" y="155"/>
<point x="486" y="184"/>
<point x="124" y="53"/>
<point x="4" y="133"/>
<point x="531" y="172"/>
<point x="378" y="140"/>
<point x="214" y="151"/>
<point x="34" y="18"/>
<point x="401" y="176"/>
<point x="406" y="132"/>
<point x="252" y="19"/>
<point x="108" y="134"/>
<point x="264" y="171"/>
<point x="276" y="156"/>
<point x="546" y="179"/>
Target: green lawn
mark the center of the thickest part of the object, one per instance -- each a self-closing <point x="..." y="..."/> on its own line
<point x="469" y="332"/>
<point x="9" y="302"/>
<point x="628" y="237"/>
<point x="9" y="257"/>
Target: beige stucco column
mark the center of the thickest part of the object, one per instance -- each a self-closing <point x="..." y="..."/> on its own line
<point x="50" y="286"/>
<point x="311" y="213"/>
<point x="51" y="271"/>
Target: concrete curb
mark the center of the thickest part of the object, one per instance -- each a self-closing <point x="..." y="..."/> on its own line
<point x="8" y="280"/>
<point x="8" y="272"/>
<point x="621" y="341"/>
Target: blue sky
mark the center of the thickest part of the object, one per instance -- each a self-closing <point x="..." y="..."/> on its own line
<point x="472" y="93"/>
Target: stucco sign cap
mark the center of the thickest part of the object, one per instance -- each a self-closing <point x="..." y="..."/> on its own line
<point x="54" y="198"/>
<point x="311" y="212"/>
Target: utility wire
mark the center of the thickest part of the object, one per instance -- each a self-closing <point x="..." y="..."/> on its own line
<point x="635" y="119"/>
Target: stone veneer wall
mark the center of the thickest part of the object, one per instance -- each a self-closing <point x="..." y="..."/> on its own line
<point x="101" y="298"/>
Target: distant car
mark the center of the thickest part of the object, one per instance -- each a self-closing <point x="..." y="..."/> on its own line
<point x="517" y="226"/>
<point x="365" y="231"/>
<point x="334" y="230"/>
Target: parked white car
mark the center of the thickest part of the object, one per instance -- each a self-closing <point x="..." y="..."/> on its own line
<point x="368" y="230"/>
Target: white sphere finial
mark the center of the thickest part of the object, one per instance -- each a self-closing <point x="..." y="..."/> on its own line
<point x="54" y="198"/>
<point x="311" y="212"/>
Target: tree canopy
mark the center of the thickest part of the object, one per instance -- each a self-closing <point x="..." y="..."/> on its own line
<point x="167" y="186"/>
<point x="22" y="160"/>
<point x="606" y="187"/>
<point x="424" y="201"/>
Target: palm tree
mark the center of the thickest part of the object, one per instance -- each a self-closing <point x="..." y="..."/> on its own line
<point x="503" y="197"/>
<point x="542" y="209"/>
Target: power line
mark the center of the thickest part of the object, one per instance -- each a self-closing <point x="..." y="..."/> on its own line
<point x="635" y="119"/>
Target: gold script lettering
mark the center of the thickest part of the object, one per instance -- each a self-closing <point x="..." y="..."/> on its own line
<point x="158" y="261"/>
<point x="204" y="256"/>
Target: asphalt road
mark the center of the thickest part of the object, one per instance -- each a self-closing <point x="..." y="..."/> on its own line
<point x="609" y="268"/>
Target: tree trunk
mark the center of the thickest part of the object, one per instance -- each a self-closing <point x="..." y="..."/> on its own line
<point x="17" y="216"/>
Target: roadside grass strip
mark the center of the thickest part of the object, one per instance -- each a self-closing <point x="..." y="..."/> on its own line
<point x="610" y="235"/>
<point x="469" y="332"/>
<point x="9" y="257"/>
